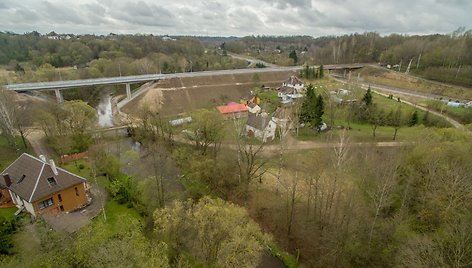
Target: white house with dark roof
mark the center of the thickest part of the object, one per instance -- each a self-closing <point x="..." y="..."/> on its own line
<point x="294" y="82"/>
<point x="260" y="126"/>
<point x="38" y="186"/>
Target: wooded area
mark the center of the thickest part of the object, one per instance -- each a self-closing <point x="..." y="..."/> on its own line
<point x="442" y="57"/>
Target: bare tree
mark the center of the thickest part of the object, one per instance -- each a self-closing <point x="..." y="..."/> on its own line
<point x="7" y="116"/>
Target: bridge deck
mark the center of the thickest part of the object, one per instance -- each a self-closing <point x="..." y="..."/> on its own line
<point x="154" y="77"/>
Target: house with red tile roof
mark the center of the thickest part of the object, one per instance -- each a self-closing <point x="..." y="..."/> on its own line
<point x="233" y="110"/>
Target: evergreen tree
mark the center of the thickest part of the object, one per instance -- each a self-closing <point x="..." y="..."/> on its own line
<point x="413" y="119"/>
<point x="308" y="105"/>
<point x="318" y="112"/>
<point x="293" y="56"/>
<point x="321" y="71"/>
<point x="307" y="71"/>
<point x="367" y="99"/>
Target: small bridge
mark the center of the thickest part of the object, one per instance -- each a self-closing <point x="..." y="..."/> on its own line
<point x="57" y="86"/>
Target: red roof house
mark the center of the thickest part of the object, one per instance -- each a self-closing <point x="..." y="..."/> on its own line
<point x="233" y="110"/>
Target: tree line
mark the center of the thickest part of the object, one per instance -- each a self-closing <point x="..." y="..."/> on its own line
<point x="444" y="57"/>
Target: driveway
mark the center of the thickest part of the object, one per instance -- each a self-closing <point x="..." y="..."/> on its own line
<point x="72" y="222"/>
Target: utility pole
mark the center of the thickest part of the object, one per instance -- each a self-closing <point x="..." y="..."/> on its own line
<point x="408" y="68"/>
<point x="418" y="63"/>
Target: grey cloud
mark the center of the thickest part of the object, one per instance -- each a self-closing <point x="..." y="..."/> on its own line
<point x="237" y="17"/>
<point x="145" y="14"/>
<point x="282" y="4"/>
<point x="60" y="13"/>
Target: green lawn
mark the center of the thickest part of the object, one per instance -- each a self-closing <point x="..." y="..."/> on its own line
<point x="8" y="154"/>
<point x="7" y="213"/>
<point x="82" y="168"/>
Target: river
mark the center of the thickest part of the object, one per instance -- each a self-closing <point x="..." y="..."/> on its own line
<point x="104" y="111"/>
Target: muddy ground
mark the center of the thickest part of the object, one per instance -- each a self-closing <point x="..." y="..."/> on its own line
<point x="180" y="95"/>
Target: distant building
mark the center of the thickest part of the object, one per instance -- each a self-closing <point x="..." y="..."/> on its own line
<point x="288" y="94"/>
<point x="294" y="82"/>
<point x="233" y="110"/>
<point x="180" y="121"/>
<point x="253" y="108"/>
<point x="455" y="104"/>
<point x="468" y="104"/>
<point x="260" y="126"/>
<point x="168" y="38"/>
<point x="39" y="187"/>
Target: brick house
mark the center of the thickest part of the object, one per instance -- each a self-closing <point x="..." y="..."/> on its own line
<point x="39" y="187"/>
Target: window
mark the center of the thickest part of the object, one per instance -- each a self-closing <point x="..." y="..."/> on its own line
<point x="76" y="191"/>
<point x="59" y="197"/>
<point x="62" y="208"/>
<point x="52" y="181"/>
<point x="22" y="178"/>
<point x="46" y="203"/>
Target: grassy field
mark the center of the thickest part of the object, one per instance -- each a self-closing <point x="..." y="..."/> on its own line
<point x="8" y="153"/>
<point x="337" y="115"/>
<point x="461" y="114"/>
<point x="395" y="79"/>
<point x="7" y="213"/>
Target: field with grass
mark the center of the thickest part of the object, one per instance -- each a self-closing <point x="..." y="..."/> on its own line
<point x="340" y="116"/>
<point x="8" y="153"/>
<point x="8" y="213"/>
<point x="400" y="80"/>
<point x="461" y="114"/>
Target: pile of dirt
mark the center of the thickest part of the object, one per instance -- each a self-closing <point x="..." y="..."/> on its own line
<point x="181" y="95"/>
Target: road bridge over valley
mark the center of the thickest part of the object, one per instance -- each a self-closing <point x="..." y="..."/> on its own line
<point x="57" y="86"/>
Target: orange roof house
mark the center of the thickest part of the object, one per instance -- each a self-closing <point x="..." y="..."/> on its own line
<point x="233" y="110"/>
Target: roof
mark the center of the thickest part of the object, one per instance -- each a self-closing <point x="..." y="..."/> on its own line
<point x="258" y="121"/>
<point x="30" y="175"/>
<point x="234" y="108"/>
<point x="293" y="80"/>
<point x="252" y="105"/>
<point x="287" y="90"/>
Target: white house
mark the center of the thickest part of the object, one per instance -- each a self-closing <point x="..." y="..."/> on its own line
<point x="260" y="126"/>
<point x="294" y="82"/>
<point x="253" y="108"/>
<point x="288" y="94"/>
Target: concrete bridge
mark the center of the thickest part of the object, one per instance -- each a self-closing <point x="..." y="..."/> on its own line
<point x="57" y="86"/>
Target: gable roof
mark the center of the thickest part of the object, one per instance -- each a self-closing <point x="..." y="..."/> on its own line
<point x="234" y="108"/>
<point x="293" y="80"/>
<point x="287" y="90"/>
<point x="258" y="121"/>
<point x="30" y="175"/>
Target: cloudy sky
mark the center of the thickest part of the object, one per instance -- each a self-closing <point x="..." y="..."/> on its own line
<point x="237" y="17"/>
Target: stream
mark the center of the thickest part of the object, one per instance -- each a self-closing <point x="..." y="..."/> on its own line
<point x="104" y="111"/>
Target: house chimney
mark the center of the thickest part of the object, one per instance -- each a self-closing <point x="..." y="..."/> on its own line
<point x="7" y="179"/>
<point x="53" y="167"/>
<point x="43" y="158"/>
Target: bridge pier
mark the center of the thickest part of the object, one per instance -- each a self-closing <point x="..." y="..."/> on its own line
<point x="128" y="91"/>
<point x="59" y="97"/>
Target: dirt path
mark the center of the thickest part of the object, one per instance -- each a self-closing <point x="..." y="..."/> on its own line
<point x="37" y="140"/>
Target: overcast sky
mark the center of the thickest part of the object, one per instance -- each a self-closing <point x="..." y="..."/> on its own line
<point x="237" y="18"/>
